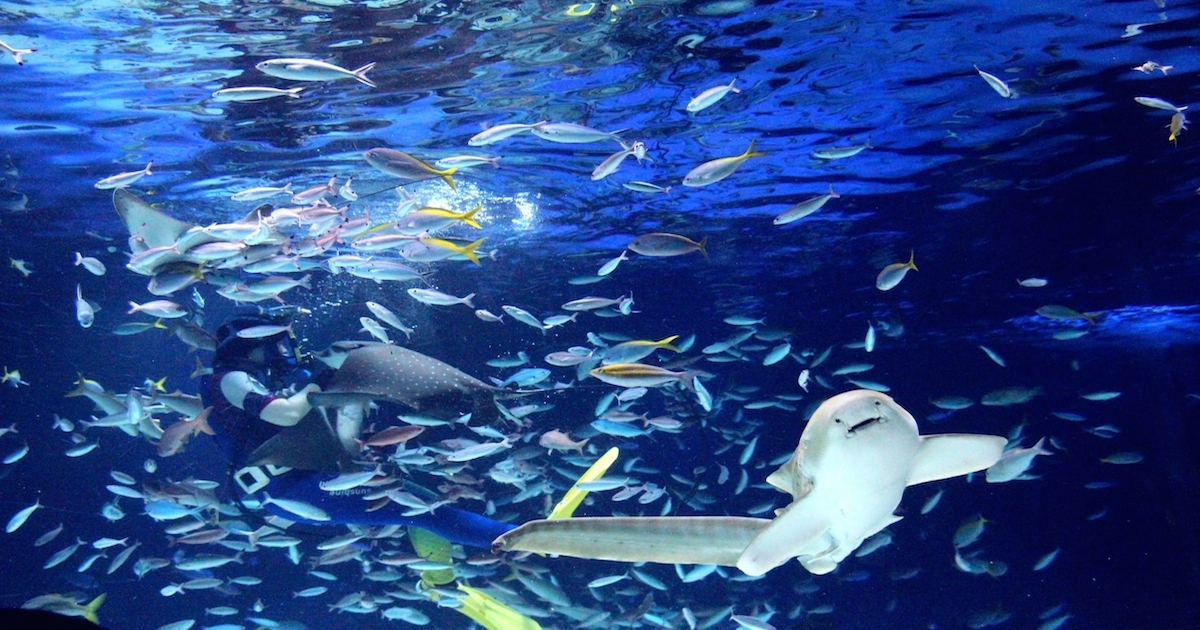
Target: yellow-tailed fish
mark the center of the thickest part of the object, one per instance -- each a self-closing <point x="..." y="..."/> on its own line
<point x="1177" y="125"/>
<point x="405" y="166"/>
<point x="714" y="171"/>
<point x="891" y="275"/>
<point x="467" y="250"/>
<point x="639" y="375"/>
<point x="637" y="349"/>
<point x="436" y="219"/>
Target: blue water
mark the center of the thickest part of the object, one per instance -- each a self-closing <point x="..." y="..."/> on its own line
<point x="1071" y="180"/>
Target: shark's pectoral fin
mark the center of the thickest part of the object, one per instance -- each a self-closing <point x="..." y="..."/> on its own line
<point x="680" y="539"/>
<point x="950" y="455"/>
<point x="791" y="533"/>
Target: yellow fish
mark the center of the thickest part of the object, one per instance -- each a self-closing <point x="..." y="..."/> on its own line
<point x="467" y="250"/>
<point x="714" y="171"/>
<point x="1178" y="125"/>
<point x="639" y="375"/>
<point x="891" y="275"/>
<point x="405" y="166"/>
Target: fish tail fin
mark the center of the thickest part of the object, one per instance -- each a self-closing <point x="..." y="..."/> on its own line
<point x="832" y="193"/>
<point x="133" y="307"/>
<point x="295" y="93"/>
<point x="468" y="250"/>
<point x="467" y="300"/>
<point x="148" y="167"/>
<point x="750" y="152"/>
<point x="912" y="264"/>
<point x="495" y="161"/>
<point x="361" y="74"/>
<point x="468" y="217"/>
<point x="306" y="281"/>
<point x="702" y="246"/>
<point x="446" y="177"/>
<point x="665" y="344"/>
<point x="89" y="611"/>
<point x="201" y="420"/>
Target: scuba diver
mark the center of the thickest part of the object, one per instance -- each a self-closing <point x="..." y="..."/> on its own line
<point x="283" y="448"/>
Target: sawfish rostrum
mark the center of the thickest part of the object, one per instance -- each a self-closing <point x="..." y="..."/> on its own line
<point x="379" y="371"/>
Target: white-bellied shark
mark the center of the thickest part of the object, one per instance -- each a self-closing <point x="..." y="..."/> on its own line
<point x="857" y="454"/>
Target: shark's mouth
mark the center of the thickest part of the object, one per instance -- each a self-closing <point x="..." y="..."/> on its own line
<point x="864" y="423"/>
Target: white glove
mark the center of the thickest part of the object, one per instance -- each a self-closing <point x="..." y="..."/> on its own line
<point x="286" y="412"/>
<point x="235" y="386"/>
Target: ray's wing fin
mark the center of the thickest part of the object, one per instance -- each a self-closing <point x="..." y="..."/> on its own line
<point x="150" y="226"/>
<point x="309" y="445"/>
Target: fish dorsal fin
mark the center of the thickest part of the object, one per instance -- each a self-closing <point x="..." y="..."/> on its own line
<point x="258" y="213"/>
<point x="950" y="455"/>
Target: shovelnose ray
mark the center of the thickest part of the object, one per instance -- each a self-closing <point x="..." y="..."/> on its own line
<point x="148" y="226"/>
<point x="857" y="454"/>
<point x="378" y="371"/>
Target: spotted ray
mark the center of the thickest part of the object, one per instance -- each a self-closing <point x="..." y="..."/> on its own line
<point x="379" y="371"/>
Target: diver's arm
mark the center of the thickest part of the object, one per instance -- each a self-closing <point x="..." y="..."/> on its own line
<point x="238" y="387"/>
<point x="286" y="412"/>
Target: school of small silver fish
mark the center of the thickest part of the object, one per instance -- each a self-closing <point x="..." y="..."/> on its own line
<point x="295" y="239"/>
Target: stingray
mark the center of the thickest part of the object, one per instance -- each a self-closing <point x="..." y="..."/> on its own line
<point x="857" y="454"/>
<point x="380" y="371"/>
<point x="371" y="371"/>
